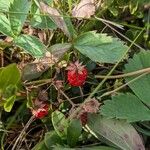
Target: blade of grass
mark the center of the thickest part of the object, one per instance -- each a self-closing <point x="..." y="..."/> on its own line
<point x="120" y="33"/>
<point x="70" y="6"/>
<point x="23" y="132"/>
<point x="120" y="87"/>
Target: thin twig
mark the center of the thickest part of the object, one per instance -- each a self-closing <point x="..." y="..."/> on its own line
<point x="23" y="132"/>
<point x="2" y="58"/>
<point x="81" y="92"/>
<point x="110" y="22"/>
<point x="134" y="73"/>
<point x="119" y="88"/>
<point x="69" y="100"/>
<point x="120" y="34"/>
<point x="39" y="81"/>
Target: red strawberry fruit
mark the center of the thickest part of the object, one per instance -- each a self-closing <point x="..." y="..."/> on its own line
<point x="40" y="109"/>
<point x="77" y="74"/>
<point x="40" y="112"/>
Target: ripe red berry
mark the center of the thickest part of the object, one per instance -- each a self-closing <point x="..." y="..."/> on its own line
<point x="41" y="112"/>
<point x="77" y="74"/>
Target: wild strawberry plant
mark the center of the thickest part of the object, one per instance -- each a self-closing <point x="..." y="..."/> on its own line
<point x="74" y="74"/>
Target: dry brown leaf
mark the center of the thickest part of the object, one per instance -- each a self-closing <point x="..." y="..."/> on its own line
<point x="45" y="62"/>
<point x="27" y="29"/>
<point x="91" y="106"/>
<point x="8" y="39"/>
<point x="42" y="36"/>
<point x="85" y="9"/>
<point x="55" y="15"/>
<point x="37" y="67"/>
<point x="43" y="95"/>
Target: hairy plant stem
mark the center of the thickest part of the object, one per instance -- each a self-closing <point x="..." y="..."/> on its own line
<point x="134" y="73"/>
<point x="120" y="87"/>
<point x="44" y="81"/>
<point x="69" y="100"/>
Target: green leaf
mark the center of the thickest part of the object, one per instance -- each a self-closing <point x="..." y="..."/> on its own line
<point x="73" y="132"/>
<point x="100" y="47"/>
<point x="133" y="7"/>
<point x="9" y="75"/>
<point x="9" y="91"/>
<point x="18" y="12"/>
<point x="119" y="133"/>
<point x="31" y="45"/>
<point x="140" y="1"/>
<point x="48" y="1"/>
<point x="141" y="87"/>
<point x="51" y="139"/>
<point x="113" y="10"/>
<point x="97" y="148"/>
<point x="58" y="50"/>
<point x="4" y="5"/>
<point x="41" y="21"/>
<point x="55" y="16"/>
<point x="125" y="106"/>
<point x="60" y="124"/>
<point x="85" y="148"/>
<point x="28" y="75"/>
<point x="62" y="148"/>
<point x="40" y="146"/>
<point x="70" y="27"/>
<point x="9" y="103"/>
<point x="5" y="26"/>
